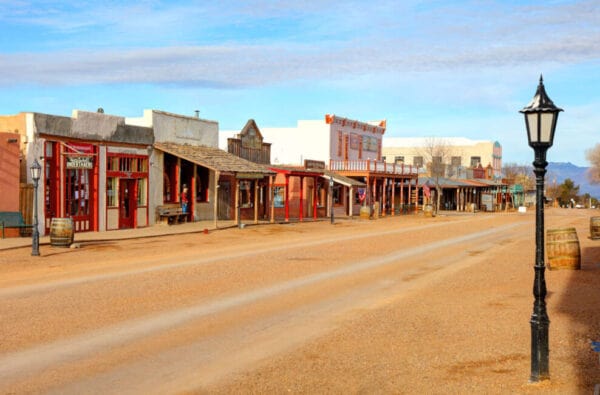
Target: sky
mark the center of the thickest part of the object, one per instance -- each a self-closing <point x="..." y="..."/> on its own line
<point x="441" y="68"/>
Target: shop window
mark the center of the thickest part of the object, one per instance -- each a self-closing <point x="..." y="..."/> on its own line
<point x="278" y="196"/>
<point x="246" y="194"/>
<point x="111" y="192"/>
<point x="142" y="199"/>
<point x="77" y="185"/>
<point x="321" y="196"/>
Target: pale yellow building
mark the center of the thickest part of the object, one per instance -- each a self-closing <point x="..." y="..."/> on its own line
<point x="458" y="155"/>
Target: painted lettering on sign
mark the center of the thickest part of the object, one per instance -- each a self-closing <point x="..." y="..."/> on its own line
<point x="80" y="162"/>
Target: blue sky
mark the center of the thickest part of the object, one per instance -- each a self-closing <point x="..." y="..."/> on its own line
<point x="431" y="68"/>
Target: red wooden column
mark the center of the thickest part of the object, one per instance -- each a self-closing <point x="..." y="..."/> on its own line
<point x="301" y="207"/>
<point x="287" y="198"/>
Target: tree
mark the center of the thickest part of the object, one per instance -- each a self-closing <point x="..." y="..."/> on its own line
<point x="436" y="154"/>
<point x="568" y="192"/>
<point x="520" y="174"/>
<point x="593" y="156"/>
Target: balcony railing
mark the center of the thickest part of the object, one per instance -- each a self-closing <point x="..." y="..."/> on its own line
<point x="372" y="166"/>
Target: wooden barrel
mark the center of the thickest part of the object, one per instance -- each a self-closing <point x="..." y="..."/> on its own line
<point x="428" y="210"/>
<point x="365" y="212"/>
<point x="595" y="227"/>
<point x="562" y="249"/>
<point x="61" y="232"/>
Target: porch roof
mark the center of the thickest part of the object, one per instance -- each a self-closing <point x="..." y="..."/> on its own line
<point x="346" y="181"/>
<point x="296" y="171"/>
<point x="213" y="158"/>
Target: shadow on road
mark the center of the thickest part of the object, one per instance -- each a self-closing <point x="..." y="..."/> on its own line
<point x="581" y="303"/>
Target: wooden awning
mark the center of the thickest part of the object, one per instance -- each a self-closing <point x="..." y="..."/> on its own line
<point x="215" y="159"/>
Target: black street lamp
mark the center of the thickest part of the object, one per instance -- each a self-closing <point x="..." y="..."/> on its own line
<point x="540" y="119"/>
<point x="331" y="194"/>
<point x="36" y="171"/>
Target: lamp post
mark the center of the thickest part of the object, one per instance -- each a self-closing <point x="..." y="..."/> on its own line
<point x="540" y="119"/>
<point x="36" y="171"/>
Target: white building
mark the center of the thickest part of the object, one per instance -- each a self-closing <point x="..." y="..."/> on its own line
<point x="332" y="138"/>
<point x="457" y="153"/>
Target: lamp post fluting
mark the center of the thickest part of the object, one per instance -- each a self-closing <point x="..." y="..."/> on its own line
<point x="36" y="170"/>
<point x="540" y="120"/>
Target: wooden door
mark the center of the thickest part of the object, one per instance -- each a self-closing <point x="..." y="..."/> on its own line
<point x="224" y="202"/>
<point x="127" y="203"/>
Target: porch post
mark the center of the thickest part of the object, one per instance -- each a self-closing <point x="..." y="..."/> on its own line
<point x="393" y="197"/>
<point x="216" y="197"/>
<point x="350" y="201"/>
<point x="271" y="200"/>
<point x="301" y="207"/>
<point x="287" y="198"/>
<point x="315" y="197"/>
<point x="255" y="201"/>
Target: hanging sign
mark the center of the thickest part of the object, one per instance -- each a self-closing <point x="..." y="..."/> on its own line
<point x="80" y="162"/>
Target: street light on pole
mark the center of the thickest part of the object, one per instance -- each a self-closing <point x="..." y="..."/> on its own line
<point x="540" y="119"/>
<point x="36" y="171"/>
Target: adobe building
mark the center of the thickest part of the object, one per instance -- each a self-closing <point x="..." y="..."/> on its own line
<point x="459" y="154"/>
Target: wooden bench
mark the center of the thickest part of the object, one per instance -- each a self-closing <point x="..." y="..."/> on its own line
<point x="171" y="213"/>
<point x="14" y="220"/>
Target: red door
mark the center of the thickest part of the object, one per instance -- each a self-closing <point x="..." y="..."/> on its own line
<point x="127" y="203"/>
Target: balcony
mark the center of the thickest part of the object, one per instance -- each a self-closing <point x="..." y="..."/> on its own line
<point x="372" y="166"/>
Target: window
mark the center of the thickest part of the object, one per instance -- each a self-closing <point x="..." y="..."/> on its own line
<point x="437" y="169"/>
<point x="340" y="144"/>
<point x="455" y="161"/>
<point x="398" y="159"/>
<point x="475" y="161"/>
<point x="246" y="194"/>
<point x="418" y="161"/>
<point x="360" y="147"/>
<point x="111" y="191"/>
<point x="129" y="164"/>
<point x="141" y="195"/>
<point x="278" y="196"/>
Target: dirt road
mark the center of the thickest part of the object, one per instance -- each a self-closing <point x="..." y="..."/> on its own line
<point x="396" y="305"/>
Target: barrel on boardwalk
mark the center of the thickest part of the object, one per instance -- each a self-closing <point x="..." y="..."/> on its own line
<point x="562" y="248"/>
<point x="61" y="232"/>
<point x="595" y="228"/>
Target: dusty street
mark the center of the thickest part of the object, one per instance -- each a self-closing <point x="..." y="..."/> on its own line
<point x="396" y="305"/>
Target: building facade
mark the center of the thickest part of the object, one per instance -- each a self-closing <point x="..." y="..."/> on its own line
<point x="457" y="156"/>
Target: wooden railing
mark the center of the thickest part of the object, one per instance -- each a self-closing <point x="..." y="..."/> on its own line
<point x="372" y="166"/>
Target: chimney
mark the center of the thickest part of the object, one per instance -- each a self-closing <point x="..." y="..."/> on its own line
<point x="197" y="113"/>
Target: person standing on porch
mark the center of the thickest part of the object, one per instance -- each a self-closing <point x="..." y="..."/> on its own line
<point x="184" y="199"/>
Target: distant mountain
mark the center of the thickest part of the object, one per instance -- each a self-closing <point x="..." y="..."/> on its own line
<point x="561" y="171"/>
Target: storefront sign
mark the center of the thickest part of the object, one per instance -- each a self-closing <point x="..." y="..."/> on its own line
<point x="249" y="175"/>
<point x="80" y="162"/>
<point x="314" y="164"/>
